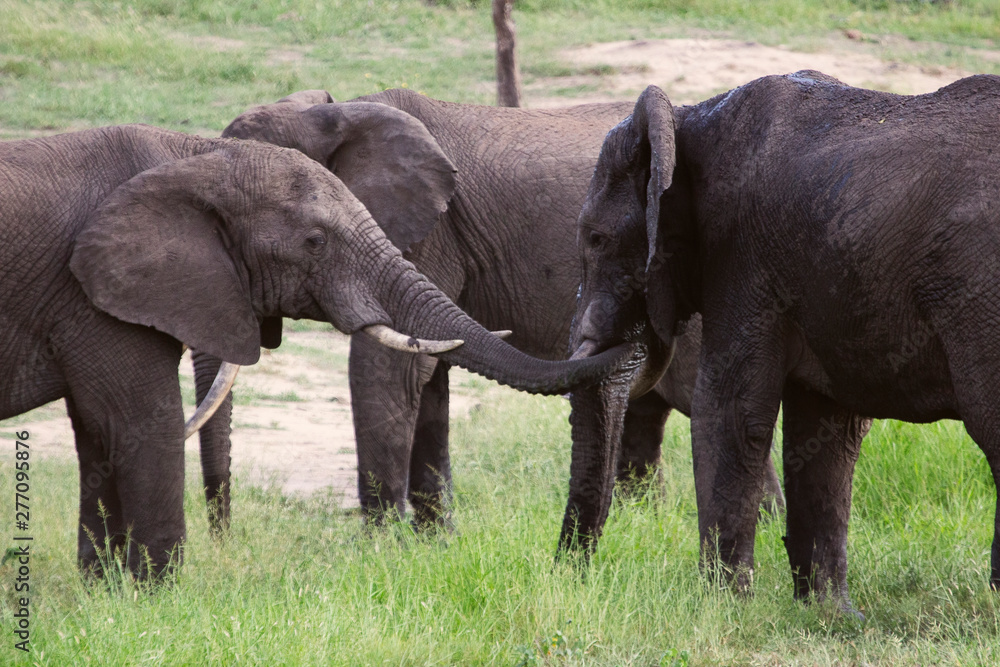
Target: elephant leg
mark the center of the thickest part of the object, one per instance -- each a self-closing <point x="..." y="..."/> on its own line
<point x="100" y="534"/>
<point x="126" y="406"/>
<point x="821" y="445"/>
<point x="994" y="460"/>
<point x="734" y="408"/>
<point x="642" y="439"/>
<point x="215" y="444"/>
<point x="386" y="387"/>
<point x="773" y="503"/>
<point x="430" y="464"/>
<point x="974" y="361"/>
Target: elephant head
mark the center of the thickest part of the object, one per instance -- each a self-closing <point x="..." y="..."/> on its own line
<point x="627" y="287"/>
<point x="207" y="247"/>
<point x="626" y="296"/>
<point x="385" y="156"/>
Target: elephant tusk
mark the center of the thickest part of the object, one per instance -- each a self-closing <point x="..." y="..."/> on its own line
<point x="502" y="333"/>
<point x="397" y="341"/>
<point x="184" y="348"/>
<point x="220" y="388"/>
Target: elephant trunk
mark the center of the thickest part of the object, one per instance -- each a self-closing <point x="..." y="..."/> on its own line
<point x="419" y="308"/>
<point x="597" y="421"/>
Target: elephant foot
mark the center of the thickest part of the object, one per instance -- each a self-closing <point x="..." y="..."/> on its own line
<point x="576" y="544"/>
<point x="841" y="603"/>
<point x="432" y="521"/>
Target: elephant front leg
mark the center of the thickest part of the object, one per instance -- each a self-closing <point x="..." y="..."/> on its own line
<point x="129" y="424"/>
<point x="430" y="464"/>
<point x="101" y="532"/>
<point x="215" y="444"/>
<point x="821" y="445"/>
<point x="386" y="388"/>
<point x="734" y="409"/>
<point x="642" y="441"/>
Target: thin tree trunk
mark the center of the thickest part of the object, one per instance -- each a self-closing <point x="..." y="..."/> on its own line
<point x="508" y="74"/>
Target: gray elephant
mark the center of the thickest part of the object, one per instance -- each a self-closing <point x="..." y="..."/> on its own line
<point x="504" y="251"/>
<point x="842" y="248"/>
<point x="121" y="243"/>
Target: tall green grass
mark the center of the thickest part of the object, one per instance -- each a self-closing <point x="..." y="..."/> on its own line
<point x="300" y="582"/>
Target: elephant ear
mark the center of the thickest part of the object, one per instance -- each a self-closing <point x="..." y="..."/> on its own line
<point x="653" y="124"/>
<point x="388" y="160"/>
<point x="308" y="98"/>
<point x="157" y="252"/>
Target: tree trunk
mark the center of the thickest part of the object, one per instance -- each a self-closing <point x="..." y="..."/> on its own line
<point x="508" y="74"/>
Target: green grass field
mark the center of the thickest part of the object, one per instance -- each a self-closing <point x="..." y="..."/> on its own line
<point x="298" y="581"/>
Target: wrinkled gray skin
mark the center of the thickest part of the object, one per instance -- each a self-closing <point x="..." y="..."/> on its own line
<point x="504" y="251"/>
<point x="120" y="243"/>
<point x="841" y="245"/>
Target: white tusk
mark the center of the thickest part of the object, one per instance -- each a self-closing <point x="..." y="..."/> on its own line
<point x="502" y="333"/>
<point x="184" y="348"/>
<point x="397" y="341"/>
<point x="220" y="388"/>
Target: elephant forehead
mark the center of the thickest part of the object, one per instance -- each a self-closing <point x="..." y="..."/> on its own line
<point x="276" y="167"/>
<point x="274" y="123"/>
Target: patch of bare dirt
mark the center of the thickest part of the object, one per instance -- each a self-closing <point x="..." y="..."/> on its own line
<point x="691" y="70"/>
<point x="215" y="43"/>
<point x="285" y="56"/>
<point x="291" y="421"/>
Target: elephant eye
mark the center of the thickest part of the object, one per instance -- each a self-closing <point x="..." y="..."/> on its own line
<point x="316" y="240"/>
<point x="596" y="239"/>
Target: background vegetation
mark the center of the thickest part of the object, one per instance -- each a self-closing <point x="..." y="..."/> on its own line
<point x="298" y="582"/>
<point x="194" y="65"/>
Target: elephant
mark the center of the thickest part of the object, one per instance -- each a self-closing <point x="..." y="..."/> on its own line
<point x="841" y="247"/>
<point x="121" y="243"/>
<point x="503" y="250"/>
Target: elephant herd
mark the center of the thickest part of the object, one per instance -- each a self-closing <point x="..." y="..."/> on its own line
<point x="783" y="244"/>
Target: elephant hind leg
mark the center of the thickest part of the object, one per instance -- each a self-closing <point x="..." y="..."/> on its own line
<point x="975" y="368"/>
<point x="821" y="445"/>
<point x="430" y="465"/>
<point x="985" y="432"/>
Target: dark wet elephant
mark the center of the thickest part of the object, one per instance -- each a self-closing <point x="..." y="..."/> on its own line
<point x="120" y="243"/>
<point x="842" y="247"/>
<point x="504" y="250"/>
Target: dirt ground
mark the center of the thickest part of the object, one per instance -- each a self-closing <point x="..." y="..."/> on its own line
<point x="291" y="419"/>
<point x="691" y="70"/>
<point x="292" y="422"/>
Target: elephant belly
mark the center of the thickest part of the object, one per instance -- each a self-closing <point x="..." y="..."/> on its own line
<point x="903" y="378"/>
